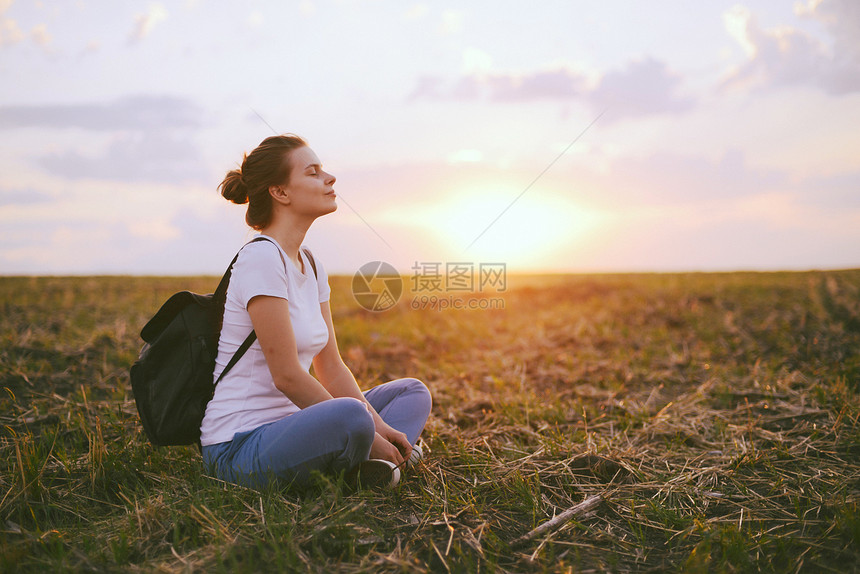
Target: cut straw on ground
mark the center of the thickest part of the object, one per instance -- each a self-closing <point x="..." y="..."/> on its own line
<point x="712" y="419"/>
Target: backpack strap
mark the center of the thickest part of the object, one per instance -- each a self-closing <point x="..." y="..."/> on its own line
<point x="222" y="289"/>
<point x="246" y="344"/>
<point x="221" y="297"/>
<point x="311" y="259"/>
<point x="305" y="250"/>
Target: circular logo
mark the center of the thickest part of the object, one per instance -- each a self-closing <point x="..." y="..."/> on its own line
<point x="377" y="286"/>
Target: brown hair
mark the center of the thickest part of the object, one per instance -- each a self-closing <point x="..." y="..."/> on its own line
<point x="268" y="164"/>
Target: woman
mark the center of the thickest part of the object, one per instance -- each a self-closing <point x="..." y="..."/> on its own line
<point x="270" y="419"/>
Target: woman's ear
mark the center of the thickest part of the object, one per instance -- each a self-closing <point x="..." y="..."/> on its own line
<point x="279" y="194"/>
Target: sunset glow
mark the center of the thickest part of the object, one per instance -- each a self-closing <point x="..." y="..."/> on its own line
<point x="527" y="231"/>
<point x="723" y="142"/>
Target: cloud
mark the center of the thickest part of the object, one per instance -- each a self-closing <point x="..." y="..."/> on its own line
<point x="144" y="23"/>
<point x="151" y="141"/>
<point x="736" y="21"/>
<point x="835" y="191"/>
<point x="476" y="60"/>
<point x="788" y="56"/>
<point x="665" y="241"/>
<point x="452" y="22"/>
<point x="641" y="88"/>
<point x="151" y="156"/>
<point x="14" y="197"/>
<point x="841" y="19"/>
<point x="185" y="243"/>
<point x="690" y="212"/>
<point x="662" y="179"/>
<point x="560" y="83"/>
<point x="130" y="113"/>
<point x="206" y="243"/>
<point x="664" y="212"/>
<point x="673" y="211"/>
<point x="554" y="84"/>
<point x="66" y="247"/>
<point x="10" y="33"/>
<point x="40" y="36"/>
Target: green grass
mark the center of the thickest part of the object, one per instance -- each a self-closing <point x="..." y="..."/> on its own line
<point x="716" y="414"/>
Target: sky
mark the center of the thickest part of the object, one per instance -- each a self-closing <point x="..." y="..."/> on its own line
<point x="552" y="136"/>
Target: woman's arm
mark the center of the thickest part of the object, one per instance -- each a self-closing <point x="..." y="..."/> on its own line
<point x="338" y="380"/>
<point x="270" y="317"/>
<point x="330" y="369"/>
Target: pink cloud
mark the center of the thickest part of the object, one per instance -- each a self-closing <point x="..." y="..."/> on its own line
<point x="788" y="56"/>
<point x="144" y="23"/>
<point x="551" y="84"/>
<point x="642" y="87"/>
<point x="560" y="83"/>
<point x="10" y="33"/>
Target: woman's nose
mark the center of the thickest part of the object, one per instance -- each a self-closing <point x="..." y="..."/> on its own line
<point x="330" y="179"/>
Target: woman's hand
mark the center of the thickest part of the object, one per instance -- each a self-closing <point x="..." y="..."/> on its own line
<point x="396" y="438"/>
<point x="386" y="450"/>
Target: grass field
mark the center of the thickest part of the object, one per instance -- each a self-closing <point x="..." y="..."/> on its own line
<point x="715" y="415"/>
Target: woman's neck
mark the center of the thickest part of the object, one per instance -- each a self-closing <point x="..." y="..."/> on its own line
<point x="289" y="237"/>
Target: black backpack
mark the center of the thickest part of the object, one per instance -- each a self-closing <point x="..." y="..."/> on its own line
<point x="172" y="378"/>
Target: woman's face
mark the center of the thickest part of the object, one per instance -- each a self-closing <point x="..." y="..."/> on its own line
<point x="311" y="190"/>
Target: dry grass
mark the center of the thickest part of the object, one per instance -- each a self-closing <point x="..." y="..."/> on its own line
<point x="715" y="414"/>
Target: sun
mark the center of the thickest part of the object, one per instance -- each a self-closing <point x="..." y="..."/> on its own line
<point x="526" y="230"/>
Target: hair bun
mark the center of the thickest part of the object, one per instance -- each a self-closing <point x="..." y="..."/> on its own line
<point x="233" y="187"/>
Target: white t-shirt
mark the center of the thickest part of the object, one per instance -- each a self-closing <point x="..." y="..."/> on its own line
<point x="246" y="397"/>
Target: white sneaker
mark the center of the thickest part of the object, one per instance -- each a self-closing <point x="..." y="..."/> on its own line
<point x="374" y="473"/>
<point x="416" y="456"/>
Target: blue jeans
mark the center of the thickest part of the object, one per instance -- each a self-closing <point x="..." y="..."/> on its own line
<point x="329" y="437"/>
